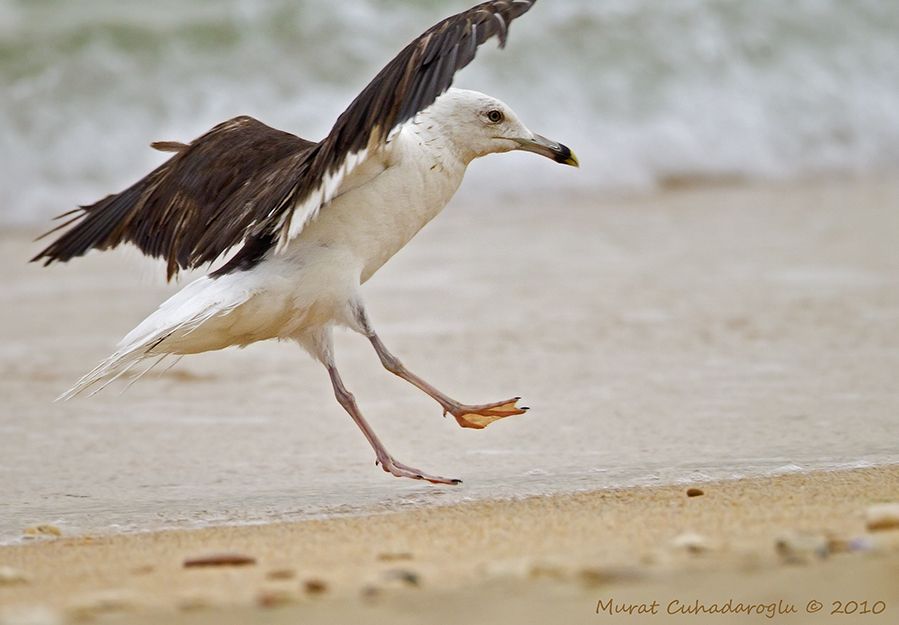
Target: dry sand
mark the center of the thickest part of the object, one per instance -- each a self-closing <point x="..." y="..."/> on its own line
<point x="538" y="560"/>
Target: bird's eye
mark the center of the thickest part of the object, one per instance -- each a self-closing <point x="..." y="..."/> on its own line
<point x="495" y="116"/>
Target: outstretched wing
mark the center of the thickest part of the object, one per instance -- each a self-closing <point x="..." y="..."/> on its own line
<point x="244" y="182"/>
<point x="183" y="211"/>
<point x="410" y="83"/>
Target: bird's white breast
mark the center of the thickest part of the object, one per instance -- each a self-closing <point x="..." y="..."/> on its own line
<point x="384" y="203"/>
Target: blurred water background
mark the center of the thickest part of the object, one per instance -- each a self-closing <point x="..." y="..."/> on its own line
<point x="649" y="93"/>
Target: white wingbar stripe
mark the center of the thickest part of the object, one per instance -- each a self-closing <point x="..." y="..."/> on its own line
<point x="502" y="24"/>
<point x="294" y="221"/>
<point x="306" y="211"/>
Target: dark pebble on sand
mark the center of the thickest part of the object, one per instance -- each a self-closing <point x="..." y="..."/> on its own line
<point x="404" y="576"/>
<point x="315" y="586"/>
<point x="219" y="559"/>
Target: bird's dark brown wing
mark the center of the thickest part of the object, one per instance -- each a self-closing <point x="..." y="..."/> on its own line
<point x="182" y="211"/>
<point x="410" y="83"/>
<point x="422" y="71"/>
<point x="243" y="182"/>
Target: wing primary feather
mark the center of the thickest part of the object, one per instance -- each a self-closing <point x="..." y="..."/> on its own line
<point x="169" y="146"/>
<point x="171" y="212"/>
<point x="503" y="30"/>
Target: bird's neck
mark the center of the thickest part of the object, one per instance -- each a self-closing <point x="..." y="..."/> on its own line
<point x="438" y="136"/>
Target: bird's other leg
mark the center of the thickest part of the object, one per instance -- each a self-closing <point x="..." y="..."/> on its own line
<point x="468" y="416"/>
<point x="320" y="345"/>
<point x="383" y="458"/>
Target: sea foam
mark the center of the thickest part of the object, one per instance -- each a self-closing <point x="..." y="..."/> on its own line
<point x="647" y="93"/>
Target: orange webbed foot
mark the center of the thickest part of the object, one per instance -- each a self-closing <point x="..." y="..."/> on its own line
<point x="479" y="417"/>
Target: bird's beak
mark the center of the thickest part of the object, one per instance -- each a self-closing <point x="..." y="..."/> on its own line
<point x="548" y="148"/>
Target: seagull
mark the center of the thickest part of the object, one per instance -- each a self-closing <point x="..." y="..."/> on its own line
<point x="301" y="225"/>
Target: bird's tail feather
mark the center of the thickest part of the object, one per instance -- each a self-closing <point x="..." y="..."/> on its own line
<point x="162" y="333"/>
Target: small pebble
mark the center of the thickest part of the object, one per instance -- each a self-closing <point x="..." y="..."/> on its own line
<point x="43" y="530"/>
<point x="695" y="492"/>
<point x="691" y="543"/>
<point x="277" y="574"/>
<point x="841" y="544"/>
<point x="195" y="602"/>
<point x="861" y="543"/>
<point x="370" y="592"/>
<point x="275" y="598"/>
<point x="548" y="571"/>
<point x="10" y="576"/>
<point x="602" y="576"/>
<point x="315" y="586"/>
<point x="404" y="576"/>
<point x="884" y="516"/>
<point x="799" y="547"/>
<point x="219" y="559"/>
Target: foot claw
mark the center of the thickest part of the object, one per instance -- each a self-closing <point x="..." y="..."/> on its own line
<point x="398" y="469"/>
<point x="479" y="417"/>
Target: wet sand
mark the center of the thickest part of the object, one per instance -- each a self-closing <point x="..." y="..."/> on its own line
<point x="779" y="541"/>
<point x="696" y="334"/>
<point x="687" y="337"/>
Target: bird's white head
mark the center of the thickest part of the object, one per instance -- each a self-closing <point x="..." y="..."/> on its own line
<point x="477" y="125"/>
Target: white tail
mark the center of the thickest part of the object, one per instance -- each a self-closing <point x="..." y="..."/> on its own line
<point x="166" y="331"/>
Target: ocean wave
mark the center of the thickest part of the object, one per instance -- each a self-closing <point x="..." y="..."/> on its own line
<point x="647" y="93"/>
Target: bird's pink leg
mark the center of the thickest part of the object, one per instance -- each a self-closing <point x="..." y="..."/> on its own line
<point x="384" y="459"/>
<point x="468" y="416"/>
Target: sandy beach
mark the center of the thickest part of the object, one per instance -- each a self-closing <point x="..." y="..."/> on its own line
<point x="702" y="318"/>
<point x="784" y="541"/>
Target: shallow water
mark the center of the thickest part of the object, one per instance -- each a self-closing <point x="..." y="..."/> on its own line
<point x="646" y="92"/>
<point x="682" y="337"/>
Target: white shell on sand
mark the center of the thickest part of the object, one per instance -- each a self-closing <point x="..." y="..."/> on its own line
<point x="31" y="615"/>
<point x="44" y="529"/>
<point x="691" y="542"/>
<point x="10" y="576"/>
<point x="883" y="516"/>
<point x="800" y="547"/>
